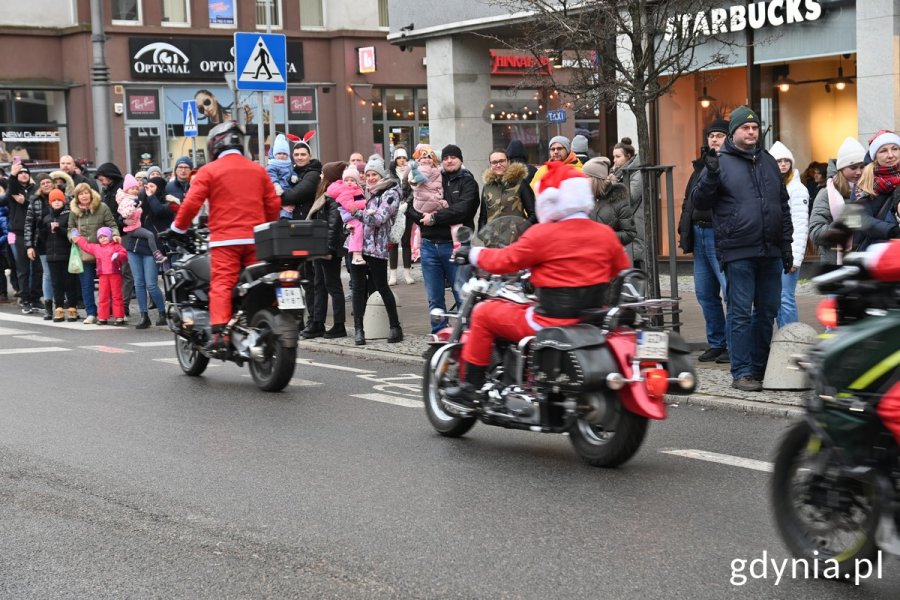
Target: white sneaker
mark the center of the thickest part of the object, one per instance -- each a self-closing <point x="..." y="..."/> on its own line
<point x="392" y="278"/>
<point x="91" y="319"/>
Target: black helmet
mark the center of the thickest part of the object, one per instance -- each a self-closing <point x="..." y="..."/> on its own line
<point x="224" y="136"/>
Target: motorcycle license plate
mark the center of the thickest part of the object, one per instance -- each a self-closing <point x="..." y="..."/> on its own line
<point x="652" y="345"/>
<point x="290" y="298"/>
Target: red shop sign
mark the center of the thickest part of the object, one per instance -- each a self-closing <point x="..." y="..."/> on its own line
<point x="518" y="64"/>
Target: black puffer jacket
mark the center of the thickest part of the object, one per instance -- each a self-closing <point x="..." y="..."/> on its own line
<point x="461" y="194"/>
<point x="57" y="247"/>
<point x="750" y="208"/>
<point x="17" y="211"/>
<point x="35" y="230"/>
<point x="302" y="193"/>
<point x="690" y="214"/>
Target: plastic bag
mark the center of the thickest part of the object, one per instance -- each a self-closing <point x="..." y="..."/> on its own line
<point x="398" y="226"/>
<point x="75" y="265"/>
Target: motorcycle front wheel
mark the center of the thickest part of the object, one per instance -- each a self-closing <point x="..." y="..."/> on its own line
<point x="273" y="370"/>
<point x="190" y="359"/>
<point x="820" y="512"/>
<point x="444" y="374"/>
<point x="612" y="443"/>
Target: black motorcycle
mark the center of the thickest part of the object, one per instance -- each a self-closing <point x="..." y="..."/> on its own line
<point x="267" y="301"/>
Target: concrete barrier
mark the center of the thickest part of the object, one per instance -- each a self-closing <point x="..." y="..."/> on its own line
<point x="781" y="373"/>
<point x="376" y="322"/>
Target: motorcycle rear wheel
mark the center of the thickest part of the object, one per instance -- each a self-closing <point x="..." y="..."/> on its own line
<point x="611" y="444"/>
<point x="191" y="361"/>
<point x="274" y="371"/>
<point x="443" y="376"/>
<point x="809" y="527"/>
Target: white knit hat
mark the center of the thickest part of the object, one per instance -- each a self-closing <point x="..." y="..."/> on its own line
<point x="779" y="151"/>
<point x="851" y="152"/>
<point x="562" y="192"/>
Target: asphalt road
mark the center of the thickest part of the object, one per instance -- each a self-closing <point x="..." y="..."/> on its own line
<point x="120" y="477"/>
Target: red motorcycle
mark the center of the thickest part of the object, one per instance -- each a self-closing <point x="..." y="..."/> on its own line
<point x="600" y="381"/>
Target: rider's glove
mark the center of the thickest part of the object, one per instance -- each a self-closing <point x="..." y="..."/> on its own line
<point x="461" y="256"/>
<point x="837" y="234"/>
<point x="170" y="234"/>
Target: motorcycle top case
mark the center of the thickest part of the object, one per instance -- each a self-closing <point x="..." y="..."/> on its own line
<point x="572" y="358"/>
<point x="290" y="240"/>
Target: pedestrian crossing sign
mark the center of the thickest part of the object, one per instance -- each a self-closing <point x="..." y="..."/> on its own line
<point x="189" y="112"/>
<point x="260" y="61"/>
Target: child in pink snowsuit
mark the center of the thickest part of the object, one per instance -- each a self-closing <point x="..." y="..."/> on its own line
<point x="425" y="179"/>
<point x="110" y="257"/>
<point x="349" y="196"/>
<point x="130" y="210"/>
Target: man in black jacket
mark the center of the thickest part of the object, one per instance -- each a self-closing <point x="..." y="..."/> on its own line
<point x="461" y="194"/>
<point x="20" y="189"/>
<point x="745" y="190"/>
<point x="697" y="236"/>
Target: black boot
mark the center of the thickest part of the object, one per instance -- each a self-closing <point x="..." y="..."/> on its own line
<point x="463" y="396"/>
<point x="161" y="321"/>
<point x="338" y="330"/>
<point x="315" y="329"/>
<point x="395" y="335"/>
<point x="48" y="310"/>
<point x="360" y="337"/>
<point x="144" y="323"/>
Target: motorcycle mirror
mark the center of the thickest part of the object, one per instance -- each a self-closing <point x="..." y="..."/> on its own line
<point x="464" y="235"/>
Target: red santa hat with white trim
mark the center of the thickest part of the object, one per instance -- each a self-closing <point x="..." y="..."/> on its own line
<point x="562" y="192"/>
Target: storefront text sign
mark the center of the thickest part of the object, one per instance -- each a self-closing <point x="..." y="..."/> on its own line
<point x="31" y="136"/>
<point x="756" y="15"/>
<point x="518" y="64"/>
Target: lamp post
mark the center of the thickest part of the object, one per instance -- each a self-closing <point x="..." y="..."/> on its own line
<point x="100" y="87"/>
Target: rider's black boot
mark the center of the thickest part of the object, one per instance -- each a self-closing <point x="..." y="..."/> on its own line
<point x="464" y="394"/>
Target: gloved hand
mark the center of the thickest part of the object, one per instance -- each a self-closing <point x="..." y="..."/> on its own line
<point x="278" y="190"/>
<point x="787" y="260"/>
<point x="711" y="159"/>
<point x="461" y="256"/>
<point x="75" y="233"/>
<point x="837" y="234"/>
<point x="170" y="234"/>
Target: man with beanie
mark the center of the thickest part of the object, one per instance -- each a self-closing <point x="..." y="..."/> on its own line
<point x="743" y="186"/>
<point x="181" y="183"/>
<point x="516" y="153"/>
<point x="560" y="151"/>
<point x="461" y="194"/>
<point x="580" y="148"/>
<point x="697" y="236"/>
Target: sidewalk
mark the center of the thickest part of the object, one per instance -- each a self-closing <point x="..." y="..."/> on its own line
<point x="714" y="388"/>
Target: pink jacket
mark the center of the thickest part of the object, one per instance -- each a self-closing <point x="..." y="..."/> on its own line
<point x="346" y="196"/>
<point x="429" y="196"/>
<point x="106" y="264"/>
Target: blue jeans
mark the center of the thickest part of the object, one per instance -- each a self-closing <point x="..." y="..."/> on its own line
<point x="146" y="280"/>
<point x="47" y="283"/>
<point x="87" y="288"/>
<point x="788" y="311"/>
<point x="436" y="269"/>
<point x="753" y="297"/>
<point x="709" y="285"/>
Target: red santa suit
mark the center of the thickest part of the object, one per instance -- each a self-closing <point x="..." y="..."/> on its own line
<point x="883" y="263"/>
<point x="241" y="196"/>
<point x="566" y="252"/>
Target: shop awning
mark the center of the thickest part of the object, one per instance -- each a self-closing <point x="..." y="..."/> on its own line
<point x="38" y="83"/>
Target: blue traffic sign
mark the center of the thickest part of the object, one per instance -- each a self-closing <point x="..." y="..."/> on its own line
<point x="189" y="117"/>
<point x="556" y="116"/>
<point x="260" y="61"/>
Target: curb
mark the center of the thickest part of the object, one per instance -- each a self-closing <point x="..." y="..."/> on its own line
<point x="699" y="400"/>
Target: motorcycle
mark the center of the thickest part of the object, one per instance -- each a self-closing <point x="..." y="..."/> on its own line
<point x="600" y="381"/>
<point x="836" y="473"/>
<point x="267" y="303"/>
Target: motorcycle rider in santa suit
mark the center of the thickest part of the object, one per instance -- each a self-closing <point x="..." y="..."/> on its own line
<point x="241" y="196"/>
<point x="572" y="260"/>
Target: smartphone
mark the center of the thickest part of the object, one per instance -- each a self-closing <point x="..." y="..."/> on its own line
<point x="17" y="160"/>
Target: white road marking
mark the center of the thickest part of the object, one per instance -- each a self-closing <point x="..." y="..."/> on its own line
<point x="306" y="361"/>
<point x="723" y="459"/>
<point x="107" y="349"/>
<point x="389" y="400"/>
<point x="174" y="361"/>
<point x="152" y="344"/>
<point x="7" y="331"/>
<point x="296" y="382"/>
<point x="32" y="320"/>
<point x="34" y="350"/>
<point x="37" y="338"/>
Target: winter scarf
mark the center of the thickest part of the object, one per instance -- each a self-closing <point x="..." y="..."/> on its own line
<point x="887" y="179"/>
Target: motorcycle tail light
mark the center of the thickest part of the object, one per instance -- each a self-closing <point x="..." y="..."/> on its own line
<point x="827" y="312"/>
<point x="657" y="382"/>
<point x="289" y="277"/>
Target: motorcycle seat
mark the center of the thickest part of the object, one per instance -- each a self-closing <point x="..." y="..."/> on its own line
<point x="594" y="316"/>
<point x="253" y="272"/>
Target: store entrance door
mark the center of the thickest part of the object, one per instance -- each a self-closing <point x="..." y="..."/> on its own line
<point x="144" y="147"/>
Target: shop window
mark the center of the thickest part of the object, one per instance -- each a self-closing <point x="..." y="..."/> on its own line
<point x="32" y="126"/>
<point x="176" y="12"/>
<point x="311" y="14"/>
<point x="399" y="105"/>
<point x="519" y="115"/>
<point x="222" y="13"/>
<point x="274" y="7"/>
<point x="126" y="12"/>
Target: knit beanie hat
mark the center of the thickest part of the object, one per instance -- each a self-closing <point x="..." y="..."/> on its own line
<point x="561" y="139"/>
<point x="40" y="177"/>
<point x="376" y="163"/>
<point x="580" y="144"/>
<point x="884" y="136"/>
<point x="352" y="173"/>
<point x="451" y="150"/>
<point x="105" y="232"/>
<point x="851" y="152"/>
<point x="779" y="151"/>
<point x="597" y="167"/>
<point x="717" y="126"/>
<point x="56" y="194"/>
<point x="154" y="171"/>
<point x="562" y="191"/>
<point x="333" y="171"/>
<point x="400" y="153"/>
<point x="141" y="175"/>
<point x="281" y="145"/>
<point x="739" y="116"/>
<point x="184" y="160"/>
<point x="516" y="150"/>
<point x="130" y="182"/>
<point x="160" y="185"/>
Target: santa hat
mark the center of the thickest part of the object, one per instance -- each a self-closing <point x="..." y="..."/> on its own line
<point x="881" y="138"/>
<point x="562" y="192"/>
